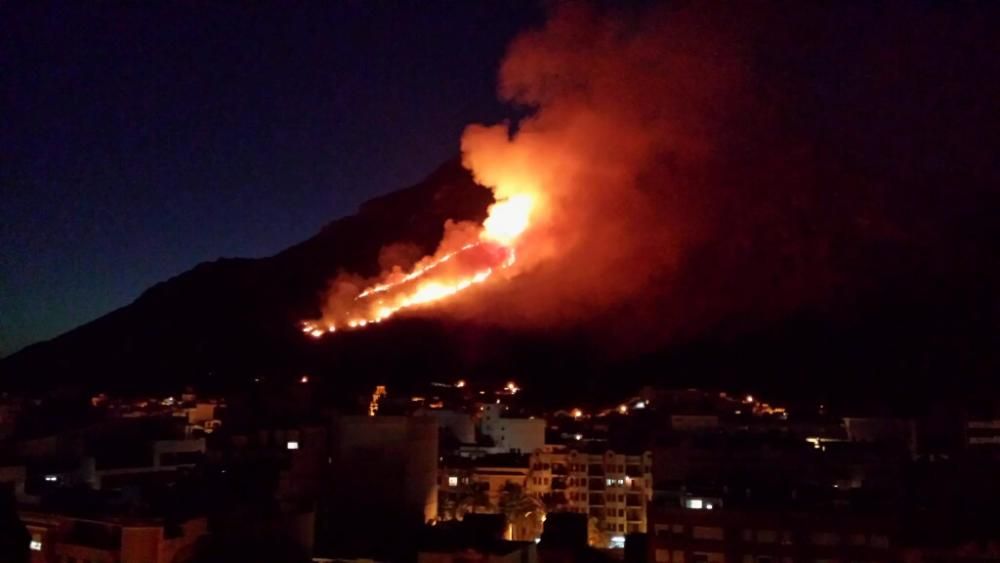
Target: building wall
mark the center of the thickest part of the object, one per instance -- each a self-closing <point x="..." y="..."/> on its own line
<point x="141" y="544"/>
<point x="394" y="458"/>
<point x="615" y="489"/>
<point x="512" y="434"/>
<point x="737" y="535"/>
<point x="119" y="543"/>
<point x="460" y="424"/>
<point x="162" y="447"/>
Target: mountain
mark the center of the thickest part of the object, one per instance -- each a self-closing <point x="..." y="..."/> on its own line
<point x="225" y="324"/>
<point x="235" y="319"/>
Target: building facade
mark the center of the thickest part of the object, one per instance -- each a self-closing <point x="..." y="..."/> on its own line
<point x="612" y="489"/>
<point x="60" y="539"/>
<point x="700" y="532"/>
<point x="522" y="435"/>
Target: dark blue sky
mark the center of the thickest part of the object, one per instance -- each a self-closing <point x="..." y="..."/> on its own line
<point x="138" y="139"/>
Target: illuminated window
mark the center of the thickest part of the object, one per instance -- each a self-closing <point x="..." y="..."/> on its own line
<point x="51" y="478"/>
<point x="293" y="445"/>
<point x="35" y="545"/>
<point x="452" y="481"/>
<point x="694" y="503"/>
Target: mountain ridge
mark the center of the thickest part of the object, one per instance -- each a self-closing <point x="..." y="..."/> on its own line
<point x="257" y="300"/>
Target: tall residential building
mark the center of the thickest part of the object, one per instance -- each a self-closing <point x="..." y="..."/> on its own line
<point x="612" y="488"/>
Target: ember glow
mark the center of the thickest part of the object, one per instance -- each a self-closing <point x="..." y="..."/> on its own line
<point x="455" y="267"/>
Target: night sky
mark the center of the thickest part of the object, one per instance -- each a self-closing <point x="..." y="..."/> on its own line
<point x="140" y="139"/>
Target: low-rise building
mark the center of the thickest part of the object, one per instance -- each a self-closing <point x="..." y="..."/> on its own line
<point x="697" y="532"/>
<point x="520" y="435"/>
<point x="57" y="538"/>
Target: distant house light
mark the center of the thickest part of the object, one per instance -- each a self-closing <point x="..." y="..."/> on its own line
<point x="51" y="478"/>
<point x="708" y="506"/>
<point x="304" y="379"/>
<point x="640" y="405"/>
<point x="579" y="436"/>
<point x="35" y="545"/>
<point x="452" y="481"/>
<point x="293" y="445"/>
<point x="694" y="503"/>
<point x="617" y="542"/>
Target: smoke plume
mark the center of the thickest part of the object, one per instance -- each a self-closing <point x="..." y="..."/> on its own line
<point x="684" y="166"/>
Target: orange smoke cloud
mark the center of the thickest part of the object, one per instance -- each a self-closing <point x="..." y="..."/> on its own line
<point x="676" y="168"/>
<point x="621" y="131"/>
<point x="573" y="208"/>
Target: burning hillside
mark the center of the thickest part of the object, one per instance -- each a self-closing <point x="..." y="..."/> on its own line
<point x="676" y="169"/>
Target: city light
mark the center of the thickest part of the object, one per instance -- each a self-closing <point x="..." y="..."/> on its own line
<point x="293" y="445"/>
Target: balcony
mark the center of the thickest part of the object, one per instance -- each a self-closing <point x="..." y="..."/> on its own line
<point x="596" y="484"/>
<point x="596" y="499"/>
<point x="558" y="483"/>
<point x="595" y="470"/>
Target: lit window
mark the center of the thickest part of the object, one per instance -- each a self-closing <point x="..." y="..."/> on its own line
<point x="452" y="481"/>
<point x="35" y="545"/>
<point x="51" y="478"/>
<point x="293" y="445"/>
<point x="694" y="503"/>
<point x="617" y="542"/>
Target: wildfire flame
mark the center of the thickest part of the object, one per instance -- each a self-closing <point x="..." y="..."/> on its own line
<point x="447" y="273"/>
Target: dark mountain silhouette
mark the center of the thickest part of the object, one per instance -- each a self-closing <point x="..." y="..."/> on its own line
<point x="235" y="319"/>
<point x="223" y="324"/>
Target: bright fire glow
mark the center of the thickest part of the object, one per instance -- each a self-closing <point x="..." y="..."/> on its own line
<point x="508" y="219"/>
<point x="438" y="277"/>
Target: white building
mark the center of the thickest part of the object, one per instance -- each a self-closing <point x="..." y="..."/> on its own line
<point x="523" y="435"/>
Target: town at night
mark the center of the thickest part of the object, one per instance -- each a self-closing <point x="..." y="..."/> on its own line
<point x="649" y="281"/>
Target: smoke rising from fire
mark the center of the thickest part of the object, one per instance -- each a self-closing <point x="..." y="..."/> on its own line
<point x="622" y="129"/>
<point x="680" y="166"/>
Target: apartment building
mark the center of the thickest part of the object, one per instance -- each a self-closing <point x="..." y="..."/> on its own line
<point x="612" y="488"/>
<point x="57" y="538"/>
